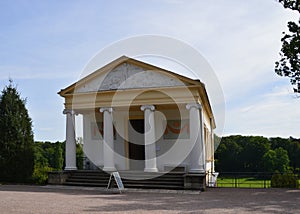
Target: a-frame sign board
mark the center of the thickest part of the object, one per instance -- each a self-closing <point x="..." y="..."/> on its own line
<point x="118" y="180"/>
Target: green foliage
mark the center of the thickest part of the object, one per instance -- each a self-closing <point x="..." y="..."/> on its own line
<point x="282" y="161"/>
<point x="289" y="64"/>
<point x="227" y="156"/>
<point x="47" y="157"/>
<point x="241" y="154"/>
<point x="276" y="180"/>
<point x="40" y="173"/>
<point x="58" y="159"/>
<point x="79" y="155"/>
<point x="292" y="146"/>
<point x="50" y="157"/>
<point x="16" y="137"/>
<point x="285" y="180"/>
<point x="291" y="4"/>
<point x="50" y="154"/>
<point x="276" y="160"/>
<point x="253" y="149"/>
<point x="269" y="161"/>
<point x="257" y="154"/>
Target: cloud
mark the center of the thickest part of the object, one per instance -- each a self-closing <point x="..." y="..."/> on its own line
<point x="240" y="39"/>
<point x="271" y="114"/>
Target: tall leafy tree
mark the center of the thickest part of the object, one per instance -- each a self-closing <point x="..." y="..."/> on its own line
<point x="227" y="155"/>
<point x="241" y="153"/>
<point x="254" y="147"/>
<point x="292" y="146"/>
<point x="58" y="158"/>
<point x="16" y="137"/>
<point x="269" y="161"/>
<point x="277" y="159"/>
<point x="283" y="160"/>
<point x="289" y="64"/>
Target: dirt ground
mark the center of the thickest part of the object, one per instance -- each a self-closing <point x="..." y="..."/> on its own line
<point x="62" y="199"/>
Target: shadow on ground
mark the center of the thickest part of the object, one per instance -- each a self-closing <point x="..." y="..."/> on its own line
<point x="217" y="200"/>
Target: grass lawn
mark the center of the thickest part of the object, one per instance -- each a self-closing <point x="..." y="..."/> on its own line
<point x="243" y="182"/>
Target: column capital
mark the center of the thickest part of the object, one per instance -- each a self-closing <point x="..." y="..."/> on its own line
<point x="103" y="109"/>
<point x="150" y="107"/>
<point x="193" y="105"/>
<point x="69" y="111"/>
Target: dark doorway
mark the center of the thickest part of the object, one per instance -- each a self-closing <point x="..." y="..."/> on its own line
<point x="136" y="144"/>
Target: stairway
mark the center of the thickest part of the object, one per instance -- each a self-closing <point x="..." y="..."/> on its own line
<point x="131" y="179"/>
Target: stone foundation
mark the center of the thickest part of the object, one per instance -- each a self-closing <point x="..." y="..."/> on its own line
<point x="191" y="181"/>
<point x="195" y="181"/>
<point x="58" y="177"/>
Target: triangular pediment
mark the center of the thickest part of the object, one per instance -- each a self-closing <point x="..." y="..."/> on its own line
<point x="126" y="73"/>
<point x="128" y="76"/>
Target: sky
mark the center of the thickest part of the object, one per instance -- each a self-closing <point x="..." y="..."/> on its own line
<point x="45" y="45"/>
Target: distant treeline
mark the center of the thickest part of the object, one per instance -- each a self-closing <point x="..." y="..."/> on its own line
<point x="234" y="154"/>
<point x="257" y="154"/>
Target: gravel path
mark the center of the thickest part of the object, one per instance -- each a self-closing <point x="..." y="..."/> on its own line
<point x="62" y="199"/>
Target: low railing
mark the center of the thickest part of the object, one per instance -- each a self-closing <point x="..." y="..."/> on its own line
<point x="249" y="179"/>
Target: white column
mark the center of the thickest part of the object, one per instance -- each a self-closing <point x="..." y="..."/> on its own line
<point x="212" y="146"/>
<point x="70" y="140"/>
<point x="150" y="148"/>
<point x="197" y="155"/>
<point x="108" y="140"/>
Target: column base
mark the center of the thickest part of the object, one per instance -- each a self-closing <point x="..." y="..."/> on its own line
<point x="109" y="169"/>
<point x="150" y="170"/>
<point x="67" y="168"/>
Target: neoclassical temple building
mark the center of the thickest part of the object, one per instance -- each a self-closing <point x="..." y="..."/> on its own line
<point x="141" y="118"/>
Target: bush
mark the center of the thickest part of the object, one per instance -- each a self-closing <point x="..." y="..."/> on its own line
<point x="276" y="179"/>
<point x="40" y="174"/>
<point x="285" y="180"/>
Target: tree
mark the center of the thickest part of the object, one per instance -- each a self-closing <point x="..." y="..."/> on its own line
<point x="227" y="155"/>
<point x="276" y="160"/>
<point x="47" y="157"/>
<point x="269" y="161"/>
<point x="41" y="168"/>
<point x="58" y="158"/>
<point x="289" y="64"/>
<point x="16" y="137"/>
<point x="79" y="153"/>
<point x="294" y="154"/>
<point x="292" y="146"/>
<point x="254" y="147"/>
<point x="241" y="153"/>
<point x="282" y="163"/>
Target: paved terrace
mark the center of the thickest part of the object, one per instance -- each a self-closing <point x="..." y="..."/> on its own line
<point x="62" y="199"/>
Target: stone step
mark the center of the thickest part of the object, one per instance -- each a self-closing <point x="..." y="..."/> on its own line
<point x="71" y="179"/>
<point x="166" y="183"/>
<point x="85" y="184"/>
<point x="137" y="186"/>
<point x="153" y="186"/>
<point x="125" y="175"/>
<point x="97" y="172"/>
<point x="131" y="179"/>
<point x="126" y="181"/>
<point x="91" y="176"/>
<point x="135" y="178"/>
